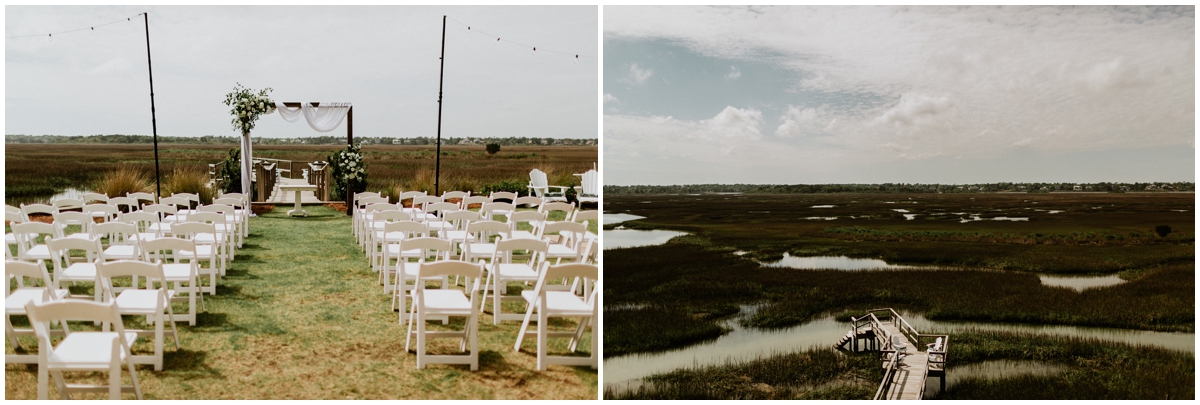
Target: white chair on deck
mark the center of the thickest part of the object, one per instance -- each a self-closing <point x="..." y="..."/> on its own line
<point x="590" y="189"/>
<point x="540" y="186"/>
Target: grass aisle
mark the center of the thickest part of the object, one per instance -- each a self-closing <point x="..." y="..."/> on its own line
<point x="299" y="315"/>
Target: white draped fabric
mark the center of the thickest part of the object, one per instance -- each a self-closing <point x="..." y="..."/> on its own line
<point x="247" y="163"/>
<point x="288" y="114"/>
<point x="325" y="118"/>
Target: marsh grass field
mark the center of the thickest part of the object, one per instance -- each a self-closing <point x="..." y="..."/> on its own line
<point x="677" y="294"/>
<point x="34" y="172"/>
<point x="300" y="316"/>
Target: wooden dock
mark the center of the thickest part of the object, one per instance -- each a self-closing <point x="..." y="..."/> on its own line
<point x="908" y="383"/>
<point x="907" y="356"/>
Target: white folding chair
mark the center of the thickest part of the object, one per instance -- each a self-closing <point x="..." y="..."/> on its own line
<point x="568" y="246"/>
<point x="122" y="240"/>
<point x="106" y="211"/>
<point x="181" y="267"/>
<point x="377" y="236"/>
<point x="82" y="351"/>
<point x="66" y="270"/>
<point x="148" y="224"/>
<point x="504" y="270"/>
<point x="153" y="301"/>
<point x="27" y="234"/>
<point x="205" y="251"/>
<point x="446" y="195"/>
<point x="422" y="249"/>
<point x="393" y="233"/>
<point x="492" y="209"/>
<point x="549" y="302"/>
<point x="220" y="238"/>
<point x="125" y="204"/>
<point x="64" y="204"/>
<point x="531" y="219"/>
<point x="27" y="276"/>
<point x="446" y="303"/>
<point x="68" y="218"/>
<point x="148" y="198"/>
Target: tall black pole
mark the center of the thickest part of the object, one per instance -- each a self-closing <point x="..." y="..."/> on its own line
<point x="153" y="119"/>
<point x="437" y="171"/>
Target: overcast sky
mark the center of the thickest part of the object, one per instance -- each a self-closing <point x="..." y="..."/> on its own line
<point x="384" y="59"/>
<point x="898" y="94"/>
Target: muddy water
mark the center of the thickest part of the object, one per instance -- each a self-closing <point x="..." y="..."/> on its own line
<point x="835" y="262"/>
<point x="1080" y="283"/>
<point x="619" y="218"/>
<point x="625" y="238"/>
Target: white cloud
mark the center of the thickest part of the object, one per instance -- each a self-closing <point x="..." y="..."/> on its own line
<point x="639" y="75"/>
<point x="959" y="80"/>
<point x="734" y="73"/>
<point x="806" y="121"/>
<point x="735" y="123"/>
<point x="914" y="108"/>
<point x="609" y="97"/>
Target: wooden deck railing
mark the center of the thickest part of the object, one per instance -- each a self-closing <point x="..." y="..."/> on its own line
<point x="936" y="358"/>
<point x="266" y="171"/>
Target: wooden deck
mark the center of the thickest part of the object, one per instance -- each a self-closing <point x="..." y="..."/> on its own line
<point x="909" y="381"/>
<point x="884" y="329"/>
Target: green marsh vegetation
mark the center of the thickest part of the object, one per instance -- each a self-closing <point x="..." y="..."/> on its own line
<point x="35" y="172"/>
<point x="1087" y="369"/>
<point x="679" y="293"/>
<point x="300" y="316"/>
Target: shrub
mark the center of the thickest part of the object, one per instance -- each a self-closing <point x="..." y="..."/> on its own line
<point x="492" y="148"/>
<point x="1162" y="230"/>
<point x="229" y="173"/>
<point x="189" y="180"/>
<point x="515" y="186"/>
<point x="124" y="180"/>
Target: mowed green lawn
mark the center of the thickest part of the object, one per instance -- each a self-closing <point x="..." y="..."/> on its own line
<point x="300" y="316"/>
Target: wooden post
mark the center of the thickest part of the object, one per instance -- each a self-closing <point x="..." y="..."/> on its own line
<point x="350" y="142"/>
<point x="153" y="119"/>
<point x="437" y="171"/>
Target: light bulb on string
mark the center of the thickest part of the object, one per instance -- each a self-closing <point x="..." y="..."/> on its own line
<point x="497" y="41"/>
<point x="535" y="50"/>
<point x="51" y="37"/>
<point x="576" y="59"/>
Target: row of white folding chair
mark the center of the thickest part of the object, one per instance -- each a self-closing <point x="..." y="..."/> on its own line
<point x="124" y="243"/>
<point x="546" y="300"/>
<point x="131" y="300"/>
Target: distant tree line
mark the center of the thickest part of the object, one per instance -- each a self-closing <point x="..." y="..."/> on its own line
<point x="899" y="188"/>
<point x="314" y="140"/>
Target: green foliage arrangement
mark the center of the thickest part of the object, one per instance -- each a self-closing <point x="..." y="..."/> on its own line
<point x="349" y="172"/>
<point x="248" y="106"/>
<point x="229" y="173"/>
<point x="492" y="148"/>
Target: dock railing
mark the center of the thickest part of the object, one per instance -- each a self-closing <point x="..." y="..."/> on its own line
<point x="921" y="342"/>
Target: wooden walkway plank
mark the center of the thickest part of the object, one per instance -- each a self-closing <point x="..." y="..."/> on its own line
<point x="909" y="381"/>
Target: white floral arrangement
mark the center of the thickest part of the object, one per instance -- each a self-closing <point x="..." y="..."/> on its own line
<point x="349" y="170"/>
<point x="248" y="106"/>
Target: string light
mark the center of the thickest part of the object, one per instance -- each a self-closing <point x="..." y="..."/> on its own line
<point x="534" y="48"/>
<point x="90" y="28"/>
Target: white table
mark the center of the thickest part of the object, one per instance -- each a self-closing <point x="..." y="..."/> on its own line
<point x="297" y="188"/>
